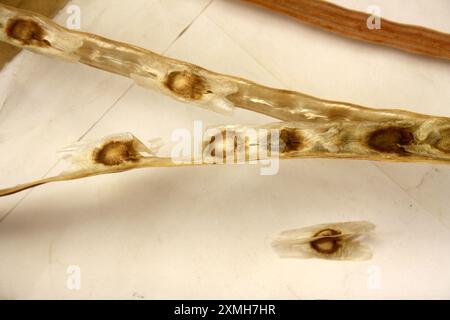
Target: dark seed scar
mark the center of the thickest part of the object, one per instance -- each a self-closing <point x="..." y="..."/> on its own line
<point x="186" y="85"/>
<point x="27" y="32"/>
<point x="328" y="245"/>
<point x="290" y="140"/>
<point x="391" y="140"/>
<point x="115" y="153"/>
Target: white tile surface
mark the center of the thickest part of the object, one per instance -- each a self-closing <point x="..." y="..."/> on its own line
<point x="204" y="233"/>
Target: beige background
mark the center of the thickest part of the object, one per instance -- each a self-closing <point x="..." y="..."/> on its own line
<point x="205" y="233"/>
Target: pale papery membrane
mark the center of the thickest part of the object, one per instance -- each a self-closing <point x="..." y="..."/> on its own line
<point x="298" y="243"/>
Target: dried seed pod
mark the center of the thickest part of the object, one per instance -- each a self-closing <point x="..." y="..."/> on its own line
<point x="111" y="151"/>
<point x="112" y="154"/>
<point x="401" y="141"/>
<point x="333" y="241"/>
<point x="353" y="24"/>
<point x="178" y="79"/>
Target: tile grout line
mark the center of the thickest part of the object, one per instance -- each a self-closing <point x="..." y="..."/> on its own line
<point x="187" y="27"/>
<point x="264" y="67"/>
<point x="410" y="197"/>
<point x="26" y="194"/>
<point x="106" y="112"/>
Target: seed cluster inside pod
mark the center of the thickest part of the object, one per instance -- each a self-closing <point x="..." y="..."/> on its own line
<point x="311" y="127"/>
<point x="290" y="140"/>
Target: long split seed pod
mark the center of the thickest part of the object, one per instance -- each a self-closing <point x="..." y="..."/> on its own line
<point x="332" y="241"/>
<point x="400" y="141"/>
<point x="353" y="24"/>
<point x="397" y="141"/>
<point x="178" y="79"/>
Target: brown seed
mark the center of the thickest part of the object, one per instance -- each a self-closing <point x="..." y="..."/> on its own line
<point x="391" y="140"/>
<point x="329" y="244"/>
<point x="26" y="31"/>
<point x="186" y="85"/>
<point x="116" y="152"/>
<point x="290" y="140"/>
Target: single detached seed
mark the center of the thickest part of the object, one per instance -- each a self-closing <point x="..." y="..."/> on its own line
<point x="329" y="244"/>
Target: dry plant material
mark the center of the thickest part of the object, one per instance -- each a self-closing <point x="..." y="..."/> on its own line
<point x="398" y="141"/>
<point x="353" y="24"/>
<point x="312" y="127"/>
<point x="116" y="153"/>
<point x="112" y="154"/>
<point x="401" y="141"/>
<point x="332" y="241"/>
<point x="178" y="79"/>
<point x="46" y="8"/>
